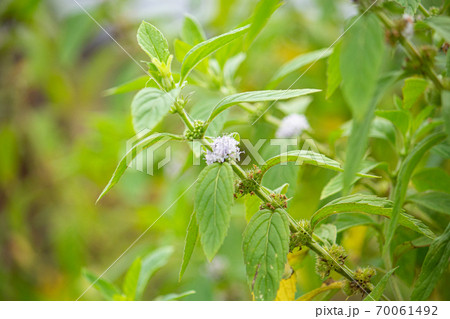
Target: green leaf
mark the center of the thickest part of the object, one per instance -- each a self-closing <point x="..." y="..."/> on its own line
<point x="377" y="292"/>
<point x="171" y="297"/>
<point x="435" y="263"/>
<point x="409" y="5"/>
<point x="150" y="264"/>
<point x="345" y="221"/>
<point x="153" y="42"/>
<point x="308" y="157"/>
<point x="143" y="143"/>
<point x="327" y="234"/>
<point x="133" y="85"/>
<point x="213" y="200"/>
<point x="357" y="143"/>
<point x="182" y="48"/>
<point x="252" y="203"/>
<point x="107" y="289"/>
<point x="191" y="240"/>
<point x="263" y="11"/>
<point x="149" y="107"/>
<point x="297" y="63"/>
<point x="131" y="279"/>
<point x="204" y="49"/>
<point x="412" y="90"/>
<point x="192" y="32"/>
<point x="400" y="118"/>
<point x="404" y="175"/>
<point x="432" y="178"/>
<point x="445" y="97"/>
<point x="265" y="247"/>
<point x="443" y="150"/>
<point x="334" y="76"/>
<point x="440" y="24"/>
<point x="335" y="184"/>
<point x="257" y="96"/>
<point x="368" y="204"/>
<point x="231" y="66"/>
<point x="360" y="71"/>
<point x="437" y="201"/>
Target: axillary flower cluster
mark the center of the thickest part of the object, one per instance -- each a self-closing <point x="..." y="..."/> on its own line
<point x="223" y="148"/>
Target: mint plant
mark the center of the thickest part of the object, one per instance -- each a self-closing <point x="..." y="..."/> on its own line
<point x="417" y="122"/>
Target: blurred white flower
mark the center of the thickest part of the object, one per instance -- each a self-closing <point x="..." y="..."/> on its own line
<point x="223" y="147"/>
<point x="408" y="29"/>
<point x="292" y="126"/>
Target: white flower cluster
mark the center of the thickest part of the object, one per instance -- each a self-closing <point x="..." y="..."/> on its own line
<point x="223" y="147"/>
<point x="408" y="30"/>
<point x="292" y="126"/>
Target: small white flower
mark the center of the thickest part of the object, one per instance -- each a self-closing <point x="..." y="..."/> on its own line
<point x="223" y="147"/>
<point x="408" y="29"/>
<point x="292" y="126"/>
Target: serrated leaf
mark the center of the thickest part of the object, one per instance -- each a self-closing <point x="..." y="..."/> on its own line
<point x="204" y="49"/>
<point x="189" y="245"/>
<point x="368" y="204"/>
<point x="171" y="297"/>
<point x="400" y="118"/>
<point x="133" y="85"/>
<point x="432" y="178"/>
<point x="150" y="264"/>
<point x="150" y="106"/>
<point x="107" y="289"/>
<point x="377" y="292"/>
<point x="435" y="263"/>
<point x="412" y="90"/>
<point x="192" y="32"/>
<point x="265" y="247"/>
<point x="297" y="63"/>
<point x="257" y="96"/>
<point x="360" y="71"/>
<point x="131" y="279"/>
<point x="153" y="42"/>
<point x="409" y="5"/>
<point x="213" y="200"/>
<point x="301" y="157"/>
<point x="404" y="175"/>
<point x="263" y="11"/>
<point x="141" y="144"/>
<point x="288" y="288"/>
<point x="437" y="201"/>
<point x="440" y="24"/>
<point x="334" y="76"/>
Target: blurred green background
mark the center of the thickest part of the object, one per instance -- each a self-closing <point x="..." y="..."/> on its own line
<point x="61" y="138"/>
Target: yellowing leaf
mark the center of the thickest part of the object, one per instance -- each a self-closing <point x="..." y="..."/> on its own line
<point x="325" y="287"/>
<point x="287" y="289"/>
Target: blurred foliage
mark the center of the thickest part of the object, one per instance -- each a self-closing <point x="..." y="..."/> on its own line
<point x="60" y="139"/>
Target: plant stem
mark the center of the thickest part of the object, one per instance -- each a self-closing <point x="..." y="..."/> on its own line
<point x="314" y="246"/>
<point x="424" y="11"/>
<point x="184" y="116"/>
<point x="411" y="50"/>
